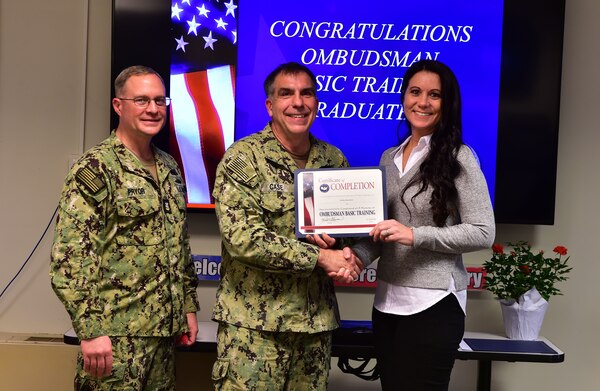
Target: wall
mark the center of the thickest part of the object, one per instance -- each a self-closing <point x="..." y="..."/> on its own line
<point x="54" y="102"/>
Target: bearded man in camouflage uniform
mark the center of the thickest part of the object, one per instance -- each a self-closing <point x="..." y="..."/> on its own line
<point x="121" y="260"/>
<point x="276" y="305"/>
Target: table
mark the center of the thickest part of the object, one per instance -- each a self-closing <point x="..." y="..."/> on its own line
<point x="483" y="347"/>
<point x="500" y="348"/>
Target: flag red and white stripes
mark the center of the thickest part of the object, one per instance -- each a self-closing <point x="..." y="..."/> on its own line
<point x="202" y="120"/>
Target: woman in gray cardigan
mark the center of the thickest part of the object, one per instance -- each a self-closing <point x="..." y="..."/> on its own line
<point x="438" y="207"/>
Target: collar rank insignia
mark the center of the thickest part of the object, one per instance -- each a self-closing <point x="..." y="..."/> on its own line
<point x="92" y="181"/>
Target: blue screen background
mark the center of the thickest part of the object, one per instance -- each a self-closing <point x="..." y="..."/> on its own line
<point x="476" y="63"/>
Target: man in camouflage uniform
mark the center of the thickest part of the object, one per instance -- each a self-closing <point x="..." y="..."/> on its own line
<point x="121" y="260"/>
<point x="276" y="305"/>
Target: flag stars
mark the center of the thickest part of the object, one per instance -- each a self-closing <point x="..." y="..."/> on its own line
<point x="181" y="44"/>
<point x="221" y="23"/>
<point x="175" y="11"/>
<point x="202" y="11"/>
<point x="209" y="41"/>
<point x="234" y="34"/>
<point x="230" y="8"/>
<point x="193" y="26"/>
<point x="186" y="1"/>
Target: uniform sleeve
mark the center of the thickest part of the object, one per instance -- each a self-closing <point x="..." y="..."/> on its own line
<point x="247" y="233"/>
<point x="75" y="256"/>
<point x="476" y="229"/>
<point x="190" y="279"/>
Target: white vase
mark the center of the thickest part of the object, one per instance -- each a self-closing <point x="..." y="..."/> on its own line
<point x="523" y="318"/>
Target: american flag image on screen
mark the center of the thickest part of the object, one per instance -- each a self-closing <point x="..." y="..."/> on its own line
<point x="203" y="60"/>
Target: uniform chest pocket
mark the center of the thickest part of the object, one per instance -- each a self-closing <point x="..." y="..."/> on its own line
<point x="140" y="221"/>
<point x="278" y="208"/>
<point x="277" y="202"/>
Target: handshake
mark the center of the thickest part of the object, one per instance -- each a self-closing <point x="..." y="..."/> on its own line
<point x="344" y="265"/>
<point x="341" y="265"/>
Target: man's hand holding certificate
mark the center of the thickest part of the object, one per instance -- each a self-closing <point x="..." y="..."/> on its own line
<point x="340" y="201"/>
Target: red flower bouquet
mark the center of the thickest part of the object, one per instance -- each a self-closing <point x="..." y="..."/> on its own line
<point x="512" y="273"/>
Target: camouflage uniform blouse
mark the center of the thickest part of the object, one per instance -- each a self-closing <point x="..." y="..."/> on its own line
<point x="269" y="279"/>
<point x="121" y="260"/>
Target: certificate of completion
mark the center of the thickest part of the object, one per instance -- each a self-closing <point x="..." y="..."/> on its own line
<point x="339" y="201"/>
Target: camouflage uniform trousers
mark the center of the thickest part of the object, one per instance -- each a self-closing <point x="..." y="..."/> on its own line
<point x="256" y="360"/>
<point x="139" y="364"/>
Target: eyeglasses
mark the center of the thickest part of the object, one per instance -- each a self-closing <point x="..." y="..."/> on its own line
<point x="144" y="101"/>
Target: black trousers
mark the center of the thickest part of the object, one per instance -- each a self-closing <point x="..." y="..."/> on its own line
<point x="417" y="352"/>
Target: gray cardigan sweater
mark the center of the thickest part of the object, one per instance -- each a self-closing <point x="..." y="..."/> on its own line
<point x="436" y="254"/>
